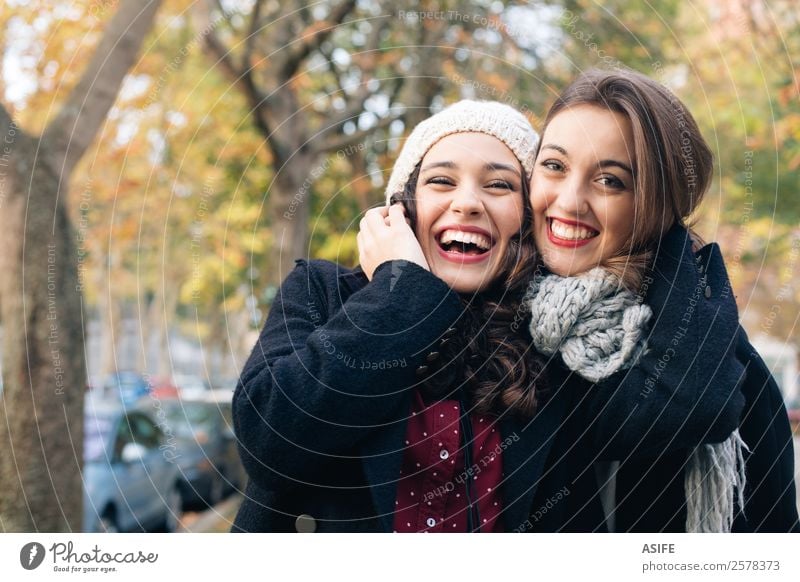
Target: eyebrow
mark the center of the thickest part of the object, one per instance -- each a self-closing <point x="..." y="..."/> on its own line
<point x="449" y="165"/>
<point x="601" y="163"/>
<point x="495" y="166"/>
<point x="491" y="166"/>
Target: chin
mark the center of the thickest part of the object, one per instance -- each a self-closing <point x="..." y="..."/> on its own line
<point x="465" y="288"/>
<point x="568" y="270"/>
<point x="465" y="283"/>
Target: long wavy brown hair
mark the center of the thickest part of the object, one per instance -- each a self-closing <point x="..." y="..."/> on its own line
<point x="491" y="359"/>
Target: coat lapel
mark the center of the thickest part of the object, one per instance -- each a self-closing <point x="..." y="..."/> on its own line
<point x="524" y="459"/>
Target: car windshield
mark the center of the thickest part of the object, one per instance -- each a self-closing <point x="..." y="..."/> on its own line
<point x="96" y="433"/>
<point x="192" y="383"/>
<point x="186" y="418"/>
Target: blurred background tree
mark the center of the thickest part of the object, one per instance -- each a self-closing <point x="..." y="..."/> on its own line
<point x="43" y="361"/>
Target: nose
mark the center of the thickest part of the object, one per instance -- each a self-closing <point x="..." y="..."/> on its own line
<point x="570" y="197"/>
<point x="466" y="200"/>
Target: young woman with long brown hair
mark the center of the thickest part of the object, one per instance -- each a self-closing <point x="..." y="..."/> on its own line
<point x="391" y="397"/>
<point x="643" y="316"/>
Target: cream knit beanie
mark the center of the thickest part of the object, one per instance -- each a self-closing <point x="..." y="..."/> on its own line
<point x="490" y="117"/>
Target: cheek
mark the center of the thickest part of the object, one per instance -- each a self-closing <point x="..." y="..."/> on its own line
<point x="619" y="221"/>
<point x="509" y="216"/>
<point x="538" y="201"/>
<point x="426" y="216"/>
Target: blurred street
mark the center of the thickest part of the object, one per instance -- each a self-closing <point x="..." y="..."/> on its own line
<point x="217" y="519"/>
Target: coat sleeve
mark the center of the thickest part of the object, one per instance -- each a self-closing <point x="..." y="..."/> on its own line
<point x="317" y="383"/>
<point x="685" y="389"/>
<point x="770" y="498"/>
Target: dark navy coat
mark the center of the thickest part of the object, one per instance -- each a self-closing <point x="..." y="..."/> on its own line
<point x="698" y="348"/>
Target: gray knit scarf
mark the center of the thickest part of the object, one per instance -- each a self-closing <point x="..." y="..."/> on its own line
<point x="599" y="327"/>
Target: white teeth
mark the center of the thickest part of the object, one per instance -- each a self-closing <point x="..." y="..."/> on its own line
<point x="569" y="232"/>
<point x="481" y="241"/>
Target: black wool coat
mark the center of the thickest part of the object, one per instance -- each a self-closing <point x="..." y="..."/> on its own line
<point x="321" y="405"/>
<point x="697" y="351"/>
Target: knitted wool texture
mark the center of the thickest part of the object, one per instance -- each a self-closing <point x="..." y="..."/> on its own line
<point x="598" y="326"/>
<point x="489" y="117"/>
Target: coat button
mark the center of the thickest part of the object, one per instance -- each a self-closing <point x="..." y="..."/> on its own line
<point x="444" y="342"/>
<point x="422" y="370"/>
<point x="708" y="292"/>
<point x="450" y="332"/>
<point x="305" y="524"/>
<point x="432" y="356"/>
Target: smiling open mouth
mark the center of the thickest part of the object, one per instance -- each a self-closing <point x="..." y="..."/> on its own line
<point x="572" y="235"/>
<point x="467" y="243"/>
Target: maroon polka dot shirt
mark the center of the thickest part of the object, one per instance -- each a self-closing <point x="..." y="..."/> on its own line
<point x="432" y="492"/>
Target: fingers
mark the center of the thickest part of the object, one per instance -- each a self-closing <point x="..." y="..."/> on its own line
<point x="397" y="215"/>
<point x="363" y="256"/>
<point x="374" y="220"/>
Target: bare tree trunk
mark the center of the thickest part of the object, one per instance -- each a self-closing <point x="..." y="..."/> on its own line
<point x="290" y="194"/>
<point x="41" y="414"/>
<point x="44" y="373"/>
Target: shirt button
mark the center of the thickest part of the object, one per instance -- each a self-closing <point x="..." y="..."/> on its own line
<point x="443" y="454"/>
<point x="431" y="522"/>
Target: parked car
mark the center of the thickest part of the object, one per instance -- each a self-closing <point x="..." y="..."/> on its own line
<point x="164" y="387"/>
<point x="223" y="400"/>
<point x="207" y="456"/>
<point x="793" y="409"/>
<point x="191" y="386"/>
<point x="127" y="386"/>
<point x="131" y="483"/>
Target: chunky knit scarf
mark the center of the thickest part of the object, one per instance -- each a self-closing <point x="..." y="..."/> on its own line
<point x="598" y="327"/>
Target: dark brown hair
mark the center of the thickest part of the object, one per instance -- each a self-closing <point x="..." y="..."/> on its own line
<point x="673" y="163"/>
<point x="491" y="356"/>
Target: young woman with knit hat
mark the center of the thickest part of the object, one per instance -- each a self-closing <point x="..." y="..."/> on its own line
<point x="392" y="397"/>
<point x="679" y="415"/>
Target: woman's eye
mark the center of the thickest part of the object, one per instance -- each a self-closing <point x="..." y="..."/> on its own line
<point x="440" y="180"/>
<point x="501" y="184"/>
<point x="553" y="165"/>
<point x="612" y="182"/>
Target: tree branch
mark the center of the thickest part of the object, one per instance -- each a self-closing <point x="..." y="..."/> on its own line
<point x="312" y="40"/>
<point x="250" y="41"/>
<point x="5" y="121"/>
<point x="238" y="76"/>
<point x="343" y="140"/>
<point x="74" y="128"/>
<point x="368" y="62"/>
